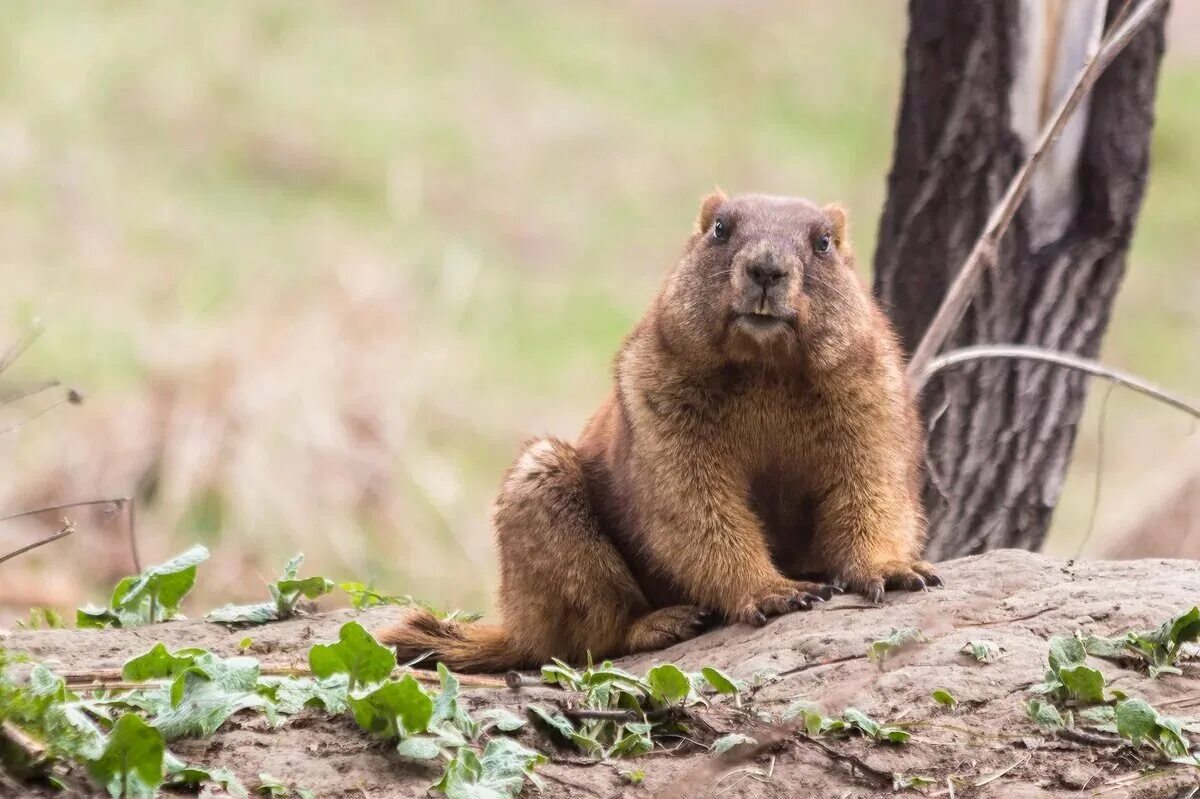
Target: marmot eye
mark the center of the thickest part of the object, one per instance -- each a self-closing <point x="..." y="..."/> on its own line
<point x="720" y="230"/>
<point x="823" y="244"/>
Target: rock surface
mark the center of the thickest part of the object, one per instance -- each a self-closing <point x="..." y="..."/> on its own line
<point x="1015" y="599"/>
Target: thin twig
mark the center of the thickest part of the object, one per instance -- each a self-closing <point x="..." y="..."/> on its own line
<point x="119" y="503"/>
<point x="1030" y="353"/>
<point x="20" y="392"/>
<point x="1001" y="773"/>
<point x="1090" y="738"/>
<point x="857" y="764"/>
<point x="1098" y="484"/>
<point x="23" y="343"/>
<point x="986" y="247"/>
<point x="67" y="529"/>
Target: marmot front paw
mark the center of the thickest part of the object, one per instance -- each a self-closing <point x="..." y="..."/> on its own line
<point x="779" y="598"/>
<point x="914" y="576"/>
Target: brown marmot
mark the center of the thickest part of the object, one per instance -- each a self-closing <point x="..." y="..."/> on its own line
<point x="759" y="430"/>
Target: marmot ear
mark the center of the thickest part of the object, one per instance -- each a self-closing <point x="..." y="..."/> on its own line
<point x="708" y="209"/>
<point x="841" y="229"/>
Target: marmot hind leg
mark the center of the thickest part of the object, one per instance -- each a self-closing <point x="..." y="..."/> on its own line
<point x="565" y="590"/>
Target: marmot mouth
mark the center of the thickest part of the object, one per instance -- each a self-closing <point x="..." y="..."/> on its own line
<point x="761" y="321"/>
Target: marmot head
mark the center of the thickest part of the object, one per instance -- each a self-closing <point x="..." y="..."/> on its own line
<point x="767" y="278"/>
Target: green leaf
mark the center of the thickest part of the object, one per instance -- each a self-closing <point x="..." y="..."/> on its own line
<point x="1136" y="720"/>
<point x="292" y="694"/>
<point x="363" y="596"/>
<point x="394" y="709"/>
<point x="1065" y="652"/>
<point x="254" y="613"/>
<point x="861" y="721"/>
<point x="501" y="719"/>
<point x="1044" y="715"/>
<point x="187" y="774"/>
<point x="633" y="777"/>
<point x="207" y="693"/>
<point x="132" y="761"/>
<point x="553" y="721"/>
<point x="285" y="593"/>
<point x="158" y="663"/>
<point x="500" y="773"/>
<point x="1103" y="716"/>
<point x="1108" y="648"/>
<point x="357" y="655"/>
<point x="895" y="642"/>
<point x="727" y="742"/>
<point x="668" y="685"/>
<point x="902" y="782"/>
<point x="155" y="594"/>
<point x="272" y="786"/>
<point x="1083" y="683"/>
<point x="983" y="650"/>
<point x="944" y="698"/>
<point x="419" y="748"/>
<point x="721" y="682"/>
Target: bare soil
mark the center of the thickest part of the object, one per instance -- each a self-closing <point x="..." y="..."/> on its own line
<point x="1014" y="598"/>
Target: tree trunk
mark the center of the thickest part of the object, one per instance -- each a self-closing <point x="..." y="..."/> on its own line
<point x="980" y="79"/>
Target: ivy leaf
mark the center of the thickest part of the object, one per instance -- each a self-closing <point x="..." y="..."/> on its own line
<point x="499" y="774"/>
<point x="1044" y="715"/>
<point x="272" y="787"/>
<point x="285" y="593"/>
<point x="159" y="663"/>
<point x="894" y="643"/>
<point x="1103" y="716"/>
<point x="727" y="742"/>
<point x="1083" y="683"/>
<point x="668" y="685"/>
<point x="149" y="597"/>
<point x="944" y="698"/>
<point x="555" y="722"/>
<point x="1136" y="720"/>
<point x="190" y="774"/>
<point x="132" y="761"/>
<point x="419" y="748"/>
<point x="501" y="719"/>
<point x="207" y="693"/>
<point x="356" y="654"/>
<point x="721" y="682"/>
<point x="394" y="709"/>
<point x="901" y="782"/>
<point x="292" y="694"/>
<point x="1065" y="652"/>
<point x="983" y="650"/>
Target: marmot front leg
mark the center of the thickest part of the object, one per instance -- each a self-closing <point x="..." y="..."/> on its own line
<point x="871" y="527"/>
<point x="702" y="535"/>
<point x="565" y="590"/>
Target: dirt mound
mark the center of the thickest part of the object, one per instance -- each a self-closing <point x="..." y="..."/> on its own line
<point x="1015" y="599"/>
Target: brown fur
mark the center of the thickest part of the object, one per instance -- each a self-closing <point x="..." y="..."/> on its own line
<point x="759" y="430"/>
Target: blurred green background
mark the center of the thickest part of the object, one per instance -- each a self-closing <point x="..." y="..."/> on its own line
<point x="321" y="267"/>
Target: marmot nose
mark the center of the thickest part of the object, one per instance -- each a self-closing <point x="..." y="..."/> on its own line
<point x="765" y="272"/>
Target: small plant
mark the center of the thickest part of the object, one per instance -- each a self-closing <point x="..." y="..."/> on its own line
<point x="944" y="698"/>
<point x="1159" y="650"/>
<point x="894" y="643"/>
<point x="149" y="597"/>
<point x="982" y="650"/>
<point x="286" y="592"/>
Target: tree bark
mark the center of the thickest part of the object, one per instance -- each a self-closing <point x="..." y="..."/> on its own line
<point x="980" y="77"/>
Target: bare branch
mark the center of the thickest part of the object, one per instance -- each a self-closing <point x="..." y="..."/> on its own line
<point x="67" y="529"/>
<point x="117" y="502"/>
<point x="1028" y="353"/>
<point x="958" y="296"/>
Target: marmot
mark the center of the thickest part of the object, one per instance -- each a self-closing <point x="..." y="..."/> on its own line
<point x="759" y="430"/>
